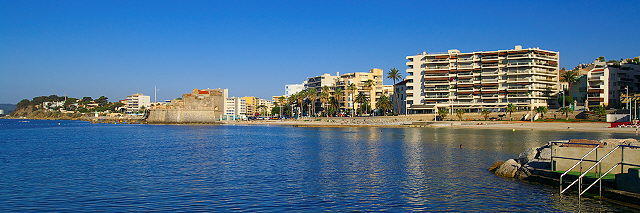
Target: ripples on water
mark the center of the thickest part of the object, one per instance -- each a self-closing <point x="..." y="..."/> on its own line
<point x="76" y="166"/>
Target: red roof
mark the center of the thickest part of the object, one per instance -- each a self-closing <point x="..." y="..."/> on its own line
<point x="203" y="92"/>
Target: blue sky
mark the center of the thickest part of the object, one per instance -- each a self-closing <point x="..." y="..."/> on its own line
<point x="254" y="48"/>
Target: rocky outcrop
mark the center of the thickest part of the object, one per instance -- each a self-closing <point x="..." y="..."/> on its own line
<point x="508" y="168"/>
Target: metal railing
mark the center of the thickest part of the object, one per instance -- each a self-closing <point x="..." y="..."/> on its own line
<point x="597" y="163"/>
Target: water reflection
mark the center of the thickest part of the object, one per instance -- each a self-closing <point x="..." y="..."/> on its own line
<point x="271" y="168"/>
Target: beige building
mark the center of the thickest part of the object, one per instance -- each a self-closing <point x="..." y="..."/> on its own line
<point x="254" y="106"/>
<point x="490" y="80"/>
<point x="137" y="102"/>
<point x="606" y="82"/>
<point x="199" y="106"/>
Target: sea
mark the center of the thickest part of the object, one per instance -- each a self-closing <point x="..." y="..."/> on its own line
<point x="76" y="166"/>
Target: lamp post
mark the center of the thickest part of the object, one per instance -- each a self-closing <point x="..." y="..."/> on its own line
<point x="629" y="104"/>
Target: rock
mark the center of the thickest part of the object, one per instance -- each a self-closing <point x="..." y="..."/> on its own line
<point x="527" y="156"/>
<point x="508" y="169"/>
<point x="544" y="154"/>
<point x="522" y="173"/>
<point x="495" y="166"/>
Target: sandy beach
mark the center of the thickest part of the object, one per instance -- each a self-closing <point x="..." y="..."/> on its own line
<point x="426" y="122"/>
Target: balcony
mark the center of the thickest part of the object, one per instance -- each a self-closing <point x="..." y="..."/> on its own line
<point x="437" y="61"/>
<point x="438" y="67"/>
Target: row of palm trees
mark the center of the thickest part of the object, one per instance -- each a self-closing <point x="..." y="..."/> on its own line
<point x="510" y="108"/>
<point x="330" y="99"/>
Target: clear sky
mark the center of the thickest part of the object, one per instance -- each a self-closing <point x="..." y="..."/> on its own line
<point x="254" y="48"/>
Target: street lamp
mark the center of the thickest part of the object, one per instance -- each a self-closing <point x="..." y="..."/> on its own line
<point x="629" y="104"/>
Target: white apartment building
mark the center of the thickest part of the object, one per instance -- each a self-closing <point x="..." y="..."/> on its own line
<point x="235" y="109"/>
<point x="291" y="89"/>
<point x="137" y="102"/>
<point x="317" y="82"/>
<point x="606" y="82"/>
<point x="490" y="80"/>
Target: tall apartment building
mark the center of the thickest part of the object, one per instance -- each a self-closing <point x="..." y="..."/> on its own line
<point x="291" y="89"/>
<point x="137" y="102"/>
<point x="254" y="106"/>
<point x="490" y="80"/>
<point x="606" y="82"/>
<point x="235" y="109"/>
<point x="359" y="79"/>
<point x="317" y="82"/>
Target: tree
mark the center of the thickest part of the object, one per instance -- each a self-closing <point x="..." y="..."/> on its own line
<point x="394" y="74"/>
<point x="542" y="110"/>
<point x="24" y="103"/>
<point x="338" y="96"/>
<point x="599" y="110"/>
<point x="324" y="98"/>
<point x="570" y="77"/>
<point x="510" y="109"/>
<point x="370" y="84"/>
<point x="282" y="101"/>
<point x="443" y="112"/>
<point x="102" y="100"/>
<point x="312" y="95"/>
<point x="361" y="99"/>
<point x="262" y="108"/>
<point x="384" y="104"/>
<point x="566" y="111"/>
<point x="485" y="113"/>
<point x="352" y="90"/>
<point x="86" y="100"/>
<point x="600" y="59"/>
<point x="299" y="96"/>
<point x="459" y="113"/>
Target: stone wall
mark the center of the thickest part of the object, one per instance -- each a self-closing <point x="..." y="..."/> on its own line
<point x="183" y="116"/>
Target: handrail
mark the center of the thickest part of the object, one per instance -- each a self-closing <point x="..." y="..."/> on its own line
<point x="590" y="168"/>
<point x="574" y="166"/>
<point x="599" y="180"/>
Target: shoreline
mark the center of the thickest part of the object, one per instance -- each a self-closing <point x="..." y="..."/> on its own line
<point x="401" y="122"/>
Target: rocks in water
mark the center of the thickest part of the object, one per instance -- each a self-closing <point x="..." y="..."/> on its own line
<point x="527" y="156"/>
<point x="495" y="166"/>
<point x="508" y="168"/>
<point x="522" y="173"/>
<point x="544" y="153"/>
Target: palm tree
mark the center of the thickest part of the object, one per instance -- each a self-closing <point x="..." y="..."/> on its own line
<point x="369" y="84"/>
<point x="443" y="112"/>
<point x="394" y="74"/>
<point x="361" y="99"/>
<point x="485" y="113"/>
<point x="570" y="77"/>
<point x="542" y="110"/>
<point x="510" y="109"/>
<point x="599" y="110"/>
<point x="324" y="98"/>
<point x="300" y="100"/>
<point x="338" y="94"/>
<point x="263" y="109"/>
<point x="312" y="95"/>
<point x="352" y="90"/>
<point x="281" y="101"/>
<point x="384" y="104"/>
<point x="566" y="111"/>
<point x="460" y="113"/>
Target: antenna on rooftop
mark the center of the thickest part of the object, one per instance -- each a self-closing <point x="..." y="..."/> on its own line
<point x="155" y="94"/>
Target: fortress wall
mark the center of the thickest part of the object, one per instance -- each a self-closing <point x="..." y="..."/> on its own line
<point x="183" y="116"/>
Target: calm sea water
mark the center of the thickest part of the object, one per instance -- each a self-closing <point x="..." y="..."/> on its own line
<point x="77" y="166"/>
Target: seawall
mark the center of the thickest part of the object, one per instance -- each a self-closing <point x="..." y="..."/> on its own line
<point x="181" y="116"/>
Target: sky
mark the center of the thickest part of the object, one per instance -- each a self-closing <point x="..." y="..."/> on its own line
<point x="253" y="48"/>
